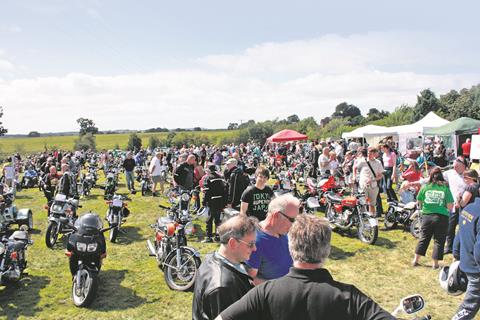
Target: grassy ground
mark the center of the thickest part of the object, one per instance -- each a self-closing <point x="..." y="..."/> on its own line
<point x="104" y="141"/>
<point x="132" y="286"/>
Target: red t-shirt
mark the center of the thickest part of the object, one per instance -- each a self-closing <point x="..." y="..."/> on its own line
<point x="466" y="148"/>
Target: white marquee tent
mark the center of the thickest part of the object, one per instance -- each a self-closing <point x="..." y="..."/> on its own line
<point x="360" y="132"/>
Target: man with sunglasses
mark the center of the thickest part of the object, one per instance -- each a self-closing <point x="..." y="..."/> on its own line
<point x="222" y="278"/>
<point x="272" y="259"/>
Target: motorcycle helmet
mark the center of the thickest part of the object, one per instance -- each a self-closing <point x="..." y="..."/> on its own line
<point x="452" y="279"/>
<point x="203" y="213"/>
<point x="89" y="223"/>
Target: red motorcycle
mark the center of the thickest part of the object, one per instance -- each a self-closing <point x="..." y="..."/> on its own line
<point x="351" y="211"/>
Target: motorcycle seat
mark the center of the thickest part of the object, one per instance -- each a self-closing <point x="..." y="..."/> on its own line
<point x="334" y="198"/>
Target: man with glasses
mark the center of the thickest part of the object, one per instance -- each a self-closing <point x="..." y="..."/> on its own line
<point x="222" y="278"/>
<point x="308" y="291"/>
<point x="272" y="259"/>
<point x="255" y="199"/>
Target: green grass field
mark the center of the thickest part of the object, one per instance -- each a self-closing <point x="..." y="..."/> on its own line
<point x="132" y="286"/>
<point x="106" y="141"/>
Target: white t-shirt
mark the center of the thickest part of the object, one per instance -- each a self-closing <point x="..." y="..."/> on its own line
<point x="455" y="182"/>
<point x="156" y="167"/>
<point x="367" y="178"/>
<point x="323" y="163"/>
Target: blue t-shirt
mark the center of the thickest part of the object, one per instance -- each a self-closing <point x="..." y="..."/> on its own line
<point x="272" y="258"/>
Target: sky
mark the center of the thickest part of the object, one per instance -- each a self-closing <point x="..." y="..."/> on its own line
<point x="143" y="64"/>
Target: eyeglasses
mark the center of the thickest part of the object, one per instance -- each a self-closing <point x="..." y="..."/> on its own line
<point x="292" y="220"/>
<point x="250" y="245"/>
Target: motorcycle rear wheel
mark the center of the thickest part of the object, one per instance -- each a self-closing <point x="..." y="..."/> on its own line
<point x="183" y="279"/>
<point x="83" y="297"/>
<point x="366" y="232"/>
<point x="51" y="235"/>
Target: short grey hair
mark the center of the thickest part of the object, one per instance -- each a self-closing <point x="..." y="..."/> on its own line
<point x="282" y="202"/>
<point x="309" y="239"/>
<point x="237" y="227"/>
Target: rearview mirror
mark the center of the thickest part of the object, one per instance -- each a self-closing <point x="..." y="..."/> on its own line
<point x="413" y="304"/>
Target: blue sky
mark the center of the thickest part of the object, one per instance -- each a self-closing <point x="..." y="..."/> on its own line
<point x="142" y="64"/>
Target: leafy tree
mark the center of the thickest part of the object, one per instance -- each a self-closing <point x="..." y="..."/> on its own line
<point x="400" y="116"/>
<point x="260" y="132"/>
<point x="134" y="142"/>
<point x="293" y="118"/>
<point x="85" y="142"/>
<point x="197" y="129"/>
<point x="426" y="102"/>
<point x="325" y="121"/>
<point x="346" y="110"/>
<point x="232" y="126"/>
<point x="356" y="121"/>
<point x="153" y="142"/>
<point x="86" y="126"/>
<point x="247" y="124"/>
<point x="375" y="114"/>
<point x="2" y="129"/>
<point x="33" y="134"/>
<point x="170" y="137"/>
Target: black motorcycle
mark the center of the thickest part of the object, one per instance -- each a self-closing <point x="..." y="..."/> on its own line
<point x="178" y="262"/>
<point x="110" y="186"/>
<point x="116" y="213"/>
<point x="406" y="214"/>
<point x="86" y="248"/>
<point x="60" y="207"/>
<point x="13" y="260"/>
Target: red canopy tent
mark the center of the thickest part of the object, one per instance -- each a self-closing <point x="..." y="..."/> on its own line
<point x="286" y="135"/>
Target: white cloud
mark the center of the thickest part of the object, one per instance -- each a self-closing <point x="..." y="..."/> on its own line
<point x="308" y="78"/>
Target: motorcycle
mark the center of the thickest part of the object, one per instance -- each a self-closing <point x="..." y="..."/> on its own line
<point x="406" y="214"/>
<point x="145" y="182"/>
<point x="13" y="260"/>
<point x="116" y="212"/>
<point x="86" y="249"/>
<point x="110" y="186"/>
<point x="60" y="208"/>
<point x="178" y="262"/>
<point x="30" y="179"/>
<point x="351" y="211"/>
<point x="9" y="214"/>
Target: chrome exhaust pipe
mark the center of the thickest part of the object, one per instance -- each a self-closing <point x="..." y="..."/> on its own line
<point x="151" y="248"/>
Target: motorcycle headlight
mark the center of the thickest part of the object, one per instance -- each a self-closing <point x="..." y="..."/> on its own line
<point x="189" y="228"/>
<point x="57" y="208"/>
<point x="362" y="201"/>
<point x="92" y="247"/>
<point x="2" y="248"/>
<point x="185" y="197"/>
<point x="81" y="246"/>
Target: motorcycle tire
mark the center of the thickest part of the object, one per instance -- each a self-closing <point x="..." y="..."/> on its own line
<point x="390" y="221"/>
<point x="185" y="279"/>
<point x="144" y="190"/>
<point x="367" y="236"/>
<point x="51" y="235"/>
<point x="416" y="227"/>
<point x="88" y="290"/>
<point x="113" y="234"/>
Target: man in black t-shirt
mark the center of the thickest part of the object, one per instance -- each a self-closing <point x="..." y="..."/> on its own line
<point x="308" y="291"/>
<point x="129" y="165"/>
<point x="255" y="199"/>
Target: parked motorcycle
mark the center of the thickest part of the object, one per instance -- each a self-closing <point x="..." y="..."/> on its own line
<point x="178" y="262"/>
<point x="116" y="213"/>
<point x="13" y="260"/>
<point x="60" y="208"/>
<point x="110" y="186"/>
<point x="351" y="211"/>
<point x="145" y="182"/>
<point x="406" y="214"/>
<point x="30" y="179"/>
<point x="9" y="214"/>
<point x="86" y="249"/>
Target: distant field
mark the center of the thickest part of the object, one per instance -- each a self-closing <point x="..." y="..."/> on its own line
<point x="107" y="141"/>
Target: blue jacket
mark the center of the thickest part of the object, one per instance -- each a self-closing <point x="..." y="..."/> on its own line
<point x="466" y="247"/>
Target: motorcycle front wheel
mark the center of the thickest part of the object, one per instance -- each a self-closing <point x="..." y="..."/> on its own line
<point x="390" y="221"/>
<point x="366" y="231"/>
<point x="113" y="234"/>
<point x="51" y="235"/>
<point x="181" y="277"/>
<point x="83" y="294"/>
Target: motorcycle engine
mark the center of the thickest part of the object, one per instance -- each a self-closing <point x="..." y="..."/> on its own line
<point x="345" y="216"/>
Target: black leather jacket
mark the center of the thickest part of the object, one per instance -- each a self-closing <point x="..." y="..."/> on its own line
<point x="217" y="286"/>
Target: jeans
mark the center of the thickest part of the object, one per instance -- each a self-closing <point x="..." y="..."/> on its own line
<point x="471" y="302"/>
<point x="130" y="180"/>
<point x="388" y="184"/>
<point x="452" y="225"/>
<point x="215" y="213"/>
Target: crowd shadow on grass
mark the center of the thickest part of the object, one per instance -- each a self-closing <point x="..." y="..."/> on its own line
<point x="131" y="235"/>
<point x="22" y="196"/>
<point x="339" y="254"/>
<point x="112" y="295"/>
<point x="385" y="243"/>
<point x="20" y="299"/>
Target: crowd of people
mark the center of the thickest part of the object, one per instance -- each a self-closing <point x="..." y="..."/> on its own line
<point x="270" y="260"/>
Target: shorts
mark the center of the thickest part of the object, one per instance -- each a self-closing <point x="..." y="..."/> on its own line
<point x="371" y="195"/>
<point x="158" y="179"/>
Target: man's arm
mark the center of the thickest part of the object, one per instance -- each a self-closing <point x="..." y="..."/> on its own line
<point x="252" y="272"/>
